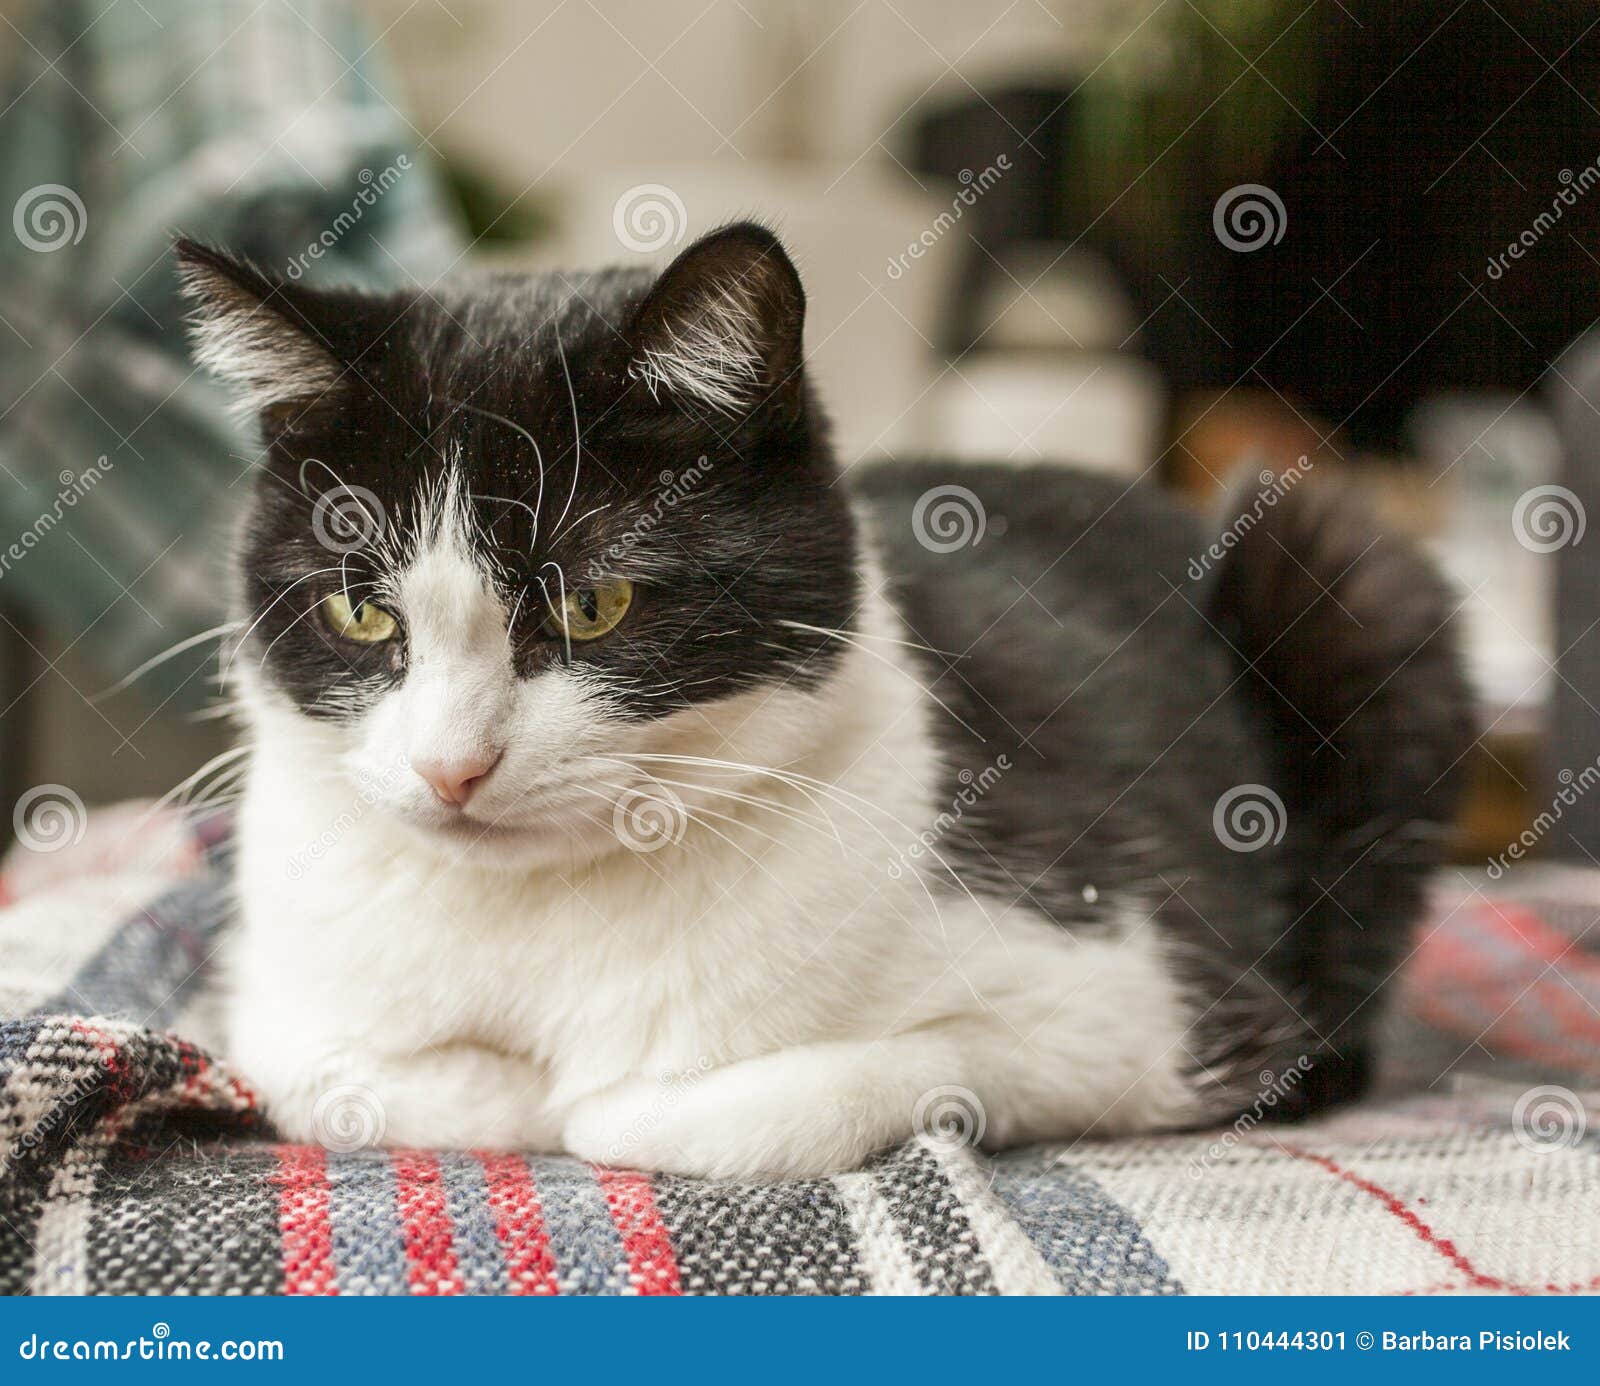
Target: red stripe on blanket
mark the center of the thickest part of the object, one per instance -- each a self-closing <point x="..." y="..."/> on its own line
<point x="303" y="1196"/>
<point x="1528" y="928"/>
<point x="519" y="1223"/>
<point x="1460" y="984"/>
<point x="425" y="1225"/>
<point x="6" y="897"/>
<point x="1394" y="1204"/>
<point x="1484" y="1008"/>
<point x="652" y="1268"/>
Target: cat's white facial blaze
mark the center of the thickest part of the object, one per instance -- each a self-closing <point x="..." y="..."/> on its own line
<point x="461" y="708"/>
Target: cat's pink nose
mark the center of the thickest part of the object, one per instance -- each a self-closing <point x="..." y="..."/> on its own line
<point x="455" y="780"/>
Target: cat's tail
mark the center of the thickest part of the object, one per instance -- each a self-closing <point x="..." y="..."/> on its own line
<point x="1346" y="636"/>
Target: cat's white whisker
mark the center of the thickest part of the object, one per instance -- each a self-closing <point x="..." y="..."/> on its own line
<point x="537" y="507"/>
<point x="176" y="792"/>
<point x="171" y="652"/>
<point x="869" y="635"/>
<point x="233" y="654"/>
<point x="577" y="433"/>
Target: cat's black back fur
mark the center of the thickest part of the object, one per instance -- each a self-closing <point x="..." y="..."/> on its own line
<point x="1132" y="683"/>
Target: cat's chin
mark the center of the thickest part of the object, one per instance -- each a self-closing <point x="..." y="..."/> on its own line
<point x="523" y="846"/>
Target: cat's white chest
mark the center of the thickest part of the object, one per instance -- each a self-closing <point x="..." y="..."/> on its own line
<point x="639" y="968"/>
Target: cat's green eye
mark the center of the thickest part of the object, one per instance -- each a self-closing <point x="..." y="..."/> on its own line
<point x="364" y="622"/>
<point x="590" y="612"/>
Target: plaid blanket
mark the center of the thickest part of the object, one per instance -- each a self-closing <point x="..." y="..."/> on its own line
<point x="133" y="1161"/>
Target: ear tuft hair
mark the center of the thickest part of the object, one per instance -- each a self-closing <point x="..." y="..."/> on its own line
<point x="722" y="328"/>
<point x="253" y="330"/>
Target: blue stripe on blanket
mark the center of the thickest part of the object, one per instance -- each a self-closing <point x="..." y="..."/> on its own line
<point x="480" y="1255"/>
<point x="583" y="1239"/>
<point x="369" y="1250"/>
<point x="151" y="963"/>
<point x="1093" y="1244"/>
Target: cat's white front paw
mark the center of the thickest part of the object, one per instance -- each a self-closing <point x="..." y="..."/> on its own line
<point x="731" y="1125"/>
<point x="460" y="1097"/>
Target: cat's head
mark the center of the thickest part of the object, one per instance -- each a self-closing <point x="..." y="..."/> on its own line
<point x="516" y="544"/>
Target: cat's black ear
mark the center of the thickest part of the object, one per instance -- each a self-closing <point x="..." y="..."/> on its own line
<point x="276" y="342"/>
<point x="722" y="328"/>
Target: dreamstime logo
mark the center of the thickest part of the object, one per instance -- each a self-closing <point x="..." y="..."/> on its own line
<point x="646" y="820"/>
<point x="675" y="489"/>
<point x="1573" y="187"/>
<point x="1548" y="518"/>
<point x="951" y="1117"/>
<point x="49" y="216"/>
<point x="373" y="187"/>
<point x="63" y="1114"/>
<point x="1549" y="1118"/>
<point x="1573" y="788"/>
<point x="74" y="488"/>
<point x="973" y="186"/>
<point x="1249" y="817"/>
<point x="49" y="817"/>
<point x="973" y="787"/>
<point x="347" y="518"/>
<point x="1274" y="487"/>
<point x="1248" y="217"/>
<point x="674" y="1088"/>
<point x="1275" y="1087"/>
<point x="649" y="218"/>
<point x="348" y="1118"/>
<point x="370" y="789"/>
<point x="948" y="518"/>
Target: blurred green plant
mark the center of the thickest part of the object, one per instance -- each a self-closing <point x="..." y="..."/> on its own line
<point x="493" y="211"/>
<point x="1194" y="97"/>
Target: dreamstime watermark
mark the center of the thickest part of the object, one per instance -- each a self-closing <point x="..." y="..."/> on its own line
<point x="373" y="187"/>
<point x="674" y="1088"/>
<point x="646" y="819"/>
<point x="1249" y="817"/>
<point x="49" y="216"/>
<point x="676" y="487"/>
<point x="61" y="1116"/>
<point x="973" y="787"/>
<point x="1274" y="487"/>
<point x="1248" y="217"/>
<point x="1573" y="788"/>
<point x="947" y="518"/>
<point x="74" y="487"/>
<point x="347" y="518"/>
<point x="348" y="1117"/>
<point x="950" y="1117"/>
<point x="973" y="186"/>
<point x="371" y="787"/>
<point x="1573" y="186"/>
<point x="648" y="218"/>
<point x="1549" y="1118"/>
<point x="49" y="817"/>
<point x="1547" y="518"/>
<point x="160" y="1346"/>
<point x="1274" y="1088"/>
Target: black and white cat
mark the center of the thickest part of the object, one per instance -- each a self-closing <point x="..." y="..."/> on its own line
<point x="623" y="780"/>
